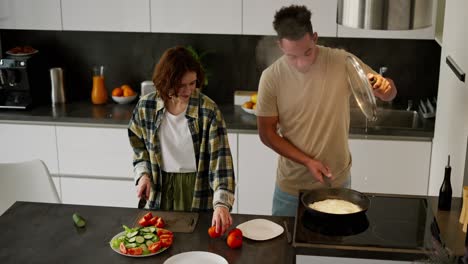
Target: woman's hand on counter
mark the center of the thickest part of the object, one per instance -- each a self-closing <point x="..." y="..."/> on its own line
<point x="221" y="219"/>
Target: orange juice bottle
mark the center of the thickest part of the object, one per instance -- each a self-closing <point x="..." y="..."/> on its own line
<point x="99" y="92"/>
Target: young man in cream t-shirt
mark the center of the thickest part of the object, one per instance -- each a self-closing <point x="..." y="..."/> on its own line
<point x="305" y="95"/>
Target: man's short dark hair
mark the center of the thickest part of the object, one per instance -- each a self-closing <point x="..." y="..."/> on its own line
<point x="292" y="22"/>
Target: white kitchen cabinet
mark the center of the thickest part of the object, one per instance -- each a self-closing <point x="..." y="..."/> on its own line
<point x="94" y="151"/>
<point x="204" y="16"/>
<point x="390" y="166"/>
<point x="258" y="15"/>
<point x="423" y="33"/>
<point x="30" y="14"/>
<point x="106" y="15"/>
<point x="232" y="138"/>
<point x="257" y="175"/>
<point x="27" y="142"/>
<point x="21" y="142"/>
<point x="451" y="127"/>
<point x="102" y="192"/>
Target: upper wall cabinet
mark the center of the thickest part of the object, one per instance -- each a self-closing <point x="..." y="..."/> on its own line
<point x="30" y="14"/>
<point x="403" y="19"/>
<point x="106" y="15"/>
<point x="205" y="16"/>
<point x="258" y="15"/>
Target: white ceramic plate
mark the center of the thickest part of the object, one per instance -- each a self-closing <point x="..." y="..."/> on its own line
<point x="133" y="256"/>
<point x="250" y="111"/>
<point x="196" y="257"/>
<point x="260" y="229"/>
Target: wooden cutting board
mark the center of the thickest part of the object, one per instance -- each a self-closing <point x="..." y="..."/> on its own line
<point x="177" y="222"/>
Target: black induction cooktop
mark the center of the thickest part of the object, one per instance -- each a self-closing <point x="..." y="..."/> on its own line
<point x="397" y="224"/>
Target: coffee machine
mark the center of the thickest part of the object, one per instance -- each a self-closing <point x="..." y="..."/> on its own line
<point x="18" y="76"/>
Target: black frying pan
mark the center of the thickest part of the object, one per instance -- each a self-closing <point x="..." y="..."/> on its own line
<point x="349" y="195"/>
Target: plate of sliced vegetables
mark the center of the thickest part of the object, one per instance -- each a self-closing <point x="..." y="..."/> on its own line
<point x="141" y="241"/>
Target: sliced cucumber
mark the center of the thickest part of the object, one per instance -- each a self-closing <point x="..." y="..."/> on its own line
<point x="148" y="236"/>
<point x="132" y="239"/>
<point x="130" y="245"/>
<point x="155" y="239"/>
<point x="139" y="239"/>
<point x="132" y="234"/>
<point x="152" y="229"/>
<point x="149" y="243"/>
<point x="145" y="230"/>
<point x="79" y="221"/>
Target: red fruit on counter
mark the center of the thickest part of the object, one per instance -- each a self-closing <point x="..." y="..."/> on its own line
<point x="148" y="216"/>
<point x="143" y="222"/>
<point x="236" y="231"/>
<point x="234" y="239"/>
<point x="123" y="249"/>
<point x="162" y="231"/>
<point x="153" y="220"/>
<point x="135" y="251"/>
<point x="160" y="223"/>
<point x="212" y="232"/>
<point x="155" y="247"/>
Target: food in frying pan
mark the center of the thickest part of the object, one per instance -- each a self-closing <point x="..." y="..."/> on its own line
<point x="335" y="206"/>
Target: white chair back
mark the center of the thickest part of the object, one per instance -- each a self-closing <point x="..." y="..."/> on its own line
<point x="26" y="181"/>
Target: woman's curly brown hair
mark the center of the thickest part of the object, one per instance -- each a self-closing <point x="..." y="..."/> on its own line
<point x="168" y="72"/>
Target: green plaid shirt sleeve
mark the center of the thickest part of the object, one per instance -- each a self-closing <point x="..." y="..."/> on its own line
<point x="221" y="167"/>
<point x="141" y="159"/>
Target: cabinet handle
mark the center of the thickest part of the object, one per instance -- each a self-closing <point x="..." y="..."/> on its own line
<point x="458" y="72"/>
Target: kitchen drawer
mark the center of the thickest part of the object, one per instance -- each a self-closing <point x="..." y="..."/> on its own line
<point x="103" y="192"/>
<point x="27" y="142"/>
<point x="90" y="151"/>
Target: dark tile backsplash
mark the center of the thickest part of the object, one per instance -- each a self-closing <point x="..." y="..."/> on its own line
<point x="235" y="61"/>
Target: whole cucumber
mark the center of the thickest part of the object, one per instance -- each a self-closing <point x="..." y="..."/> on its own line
<point x="79" y="221"/>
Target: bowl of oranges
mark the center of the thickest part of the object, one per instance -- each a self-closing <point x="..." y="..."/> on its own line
<point x="123" y="94"/>
<point x="250" y="105"/>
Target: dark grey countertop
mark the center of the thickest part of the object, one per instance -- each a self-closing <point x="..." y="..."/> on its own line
<point x="237" y="121"/>
<point x="45" y="233"/>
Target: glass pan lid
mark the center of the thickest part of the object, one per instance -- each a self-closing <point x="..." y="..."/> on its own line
<point x="361" y="88"/>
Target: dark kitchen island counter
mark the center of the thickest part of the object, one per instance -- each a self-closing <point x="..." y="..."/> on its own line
<point x="45" y="233"/>
<point x="398" y="124"/>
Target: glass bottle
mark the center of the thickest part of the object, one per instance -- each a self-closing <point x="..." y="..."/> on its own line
<point x="445" y="192"/>
<point x="99" y="92"/>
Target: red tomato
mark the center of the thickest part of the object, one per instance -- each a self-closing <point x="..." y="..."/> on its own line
<point x="123" y="249"/>
<point x="160" y="223"/>
<point x="153" y="220"/>
<point x="148" y="216"/>
<point x="162" y="231"/>
<point x="143" y="222"/>
<point x="135" y="251"/>
<point x="212" y="232"/>
<point x="166" y="241"/>
<point x="234" y="240"/>
<point x="235" y="230"/>
<point x="155" y="247"/>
